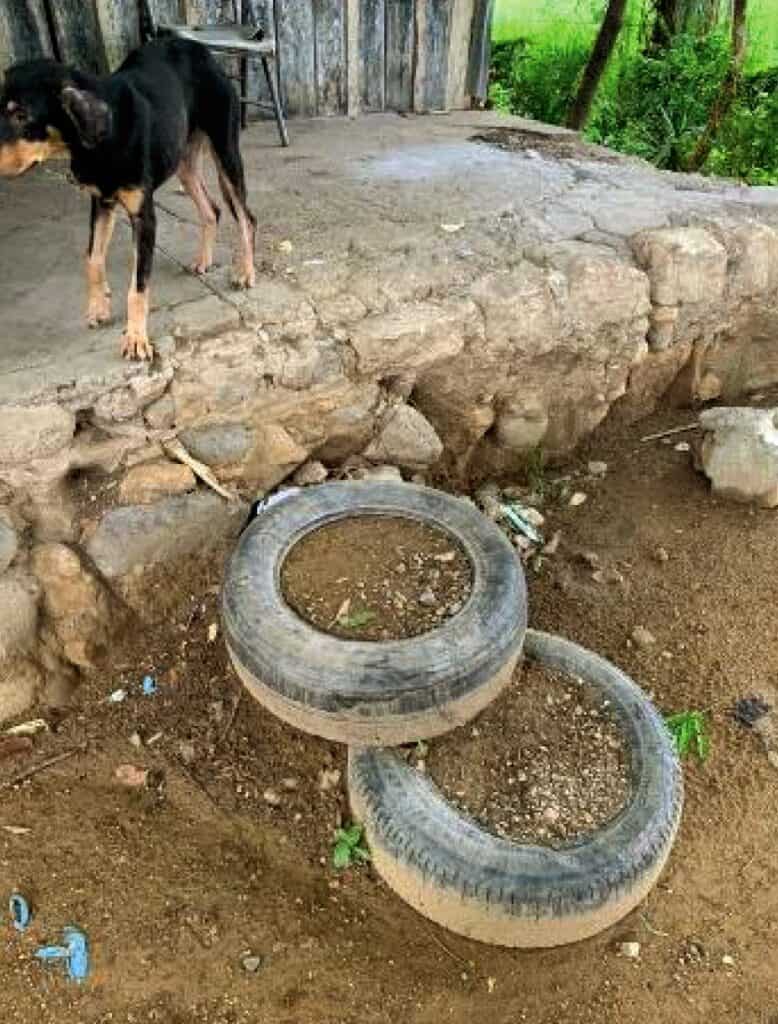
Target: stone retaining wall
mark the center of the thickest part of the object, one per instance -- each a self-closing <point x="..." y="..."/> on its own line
<point x="405" y="362"/>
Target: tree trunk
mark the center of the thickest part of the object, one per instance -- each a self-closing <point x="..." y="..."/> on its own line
<point x="578" y="114"/>
<point x="676" y="16"/>
<point x="666" y="23"/>
<point x="724" y="100"/>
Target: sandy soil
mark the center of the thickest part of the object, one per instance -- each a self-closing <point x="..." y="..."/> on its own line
<point x="174" y="884"/>
<point x="545" y="763"/>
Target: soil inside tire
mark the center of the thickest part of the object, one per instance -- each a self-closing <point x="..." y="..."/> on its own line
<point x="376" y="578"/>
<point x="545" y="764"/>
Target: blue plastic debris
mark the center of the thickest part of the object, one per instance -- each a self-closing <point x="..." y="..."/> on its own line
<point x="75" y="953"/>
<point x="149" y="686"/>
<point x="20" y="911"/>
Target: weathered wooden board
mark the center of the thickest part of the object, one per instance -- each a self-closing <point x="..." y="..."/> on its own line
<point x="330" y="56"/>
<point x="23" y="31"/>
<point x="459" y="54"/>
<point x="168" y="12"/>
<point x="119" y="24"/>
<point x="435" y="40"/>
<point x="398" y="67"/>
<point x="372" y="42"/>
<point x="78" y="37"/>
<point x="480" y="50"/>
<point x="296" y="40"/>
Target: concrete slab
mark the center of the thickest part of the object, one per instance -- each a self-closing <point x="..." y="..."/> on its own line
<point x="373" y="186"/>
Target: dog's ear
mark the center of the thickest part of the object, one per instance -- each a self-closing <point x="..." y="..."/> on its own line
<point x="90" y="115"/>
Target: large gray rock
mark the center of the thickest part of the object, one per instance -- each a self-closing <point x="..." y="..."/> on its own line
<point x="21" y="683"/>
<point x="739" y="453"/>
<point x="84" y="614"/>
<point x="407" y="439"/>
<point x="137" y="536"/>
<point x="19" y="595"/>
<point x="219" y="444"/>
<point x="34" y="432"/>
<point x="411" y="337"/>
<point x="9" y="545"/>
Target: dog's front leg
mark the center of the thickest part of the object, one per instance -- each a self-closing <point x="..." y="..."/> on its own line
<point x="103" y="216"/>
<point x="135" y="343"/>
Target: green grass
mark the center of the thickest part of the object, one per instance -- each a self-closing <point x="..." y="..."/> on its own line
<point x="574" y="21"/>
<point x="689" y="730"/>
<point x="648" y="105"/>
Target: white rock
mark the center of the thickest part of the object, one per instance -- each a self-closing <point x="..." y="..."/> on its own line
<point x="311" y="472"/>
<point x="631" y="950"/>
<point x="739" y="453"/>
<point x="407" y="439"/>
<point x="577" y="499"/>
<point x="598" y="468"/>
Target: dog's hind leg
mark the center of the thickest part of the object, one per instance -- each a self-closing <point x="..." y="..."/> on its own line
<point x="224" y="134"/>
<point x="135" y="341"/>
<point x="190" y="173"/>
<point x="103" y="216"/>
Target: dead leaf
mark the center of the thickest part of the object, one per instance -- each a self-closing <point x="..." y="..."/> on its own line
<point x="130" y="775"/>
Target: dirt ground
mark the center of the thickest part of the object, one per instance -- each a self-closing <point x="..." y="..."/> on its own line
<point x="174" y="884"/>
<point x="546" y="762"/>
<point x="376" y="578"/>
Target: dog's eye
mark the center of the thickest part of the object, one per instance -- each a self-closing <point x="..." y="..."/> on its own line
<point x="16" y="113"/>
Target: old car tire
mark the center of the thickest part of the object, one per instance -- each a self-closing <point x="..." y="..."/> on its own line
<point x="449" y="869"/>
<point x="373" y="693"/>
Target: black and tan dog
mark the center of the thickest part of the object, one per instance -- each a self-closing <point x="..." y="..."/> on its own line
<point x="126" y="134"/>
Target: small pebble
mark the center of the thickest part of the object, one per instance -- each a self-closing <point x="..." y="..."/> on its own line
<point x="682" y="446"/>
<point x="447" y="556"/>
<point x="661" y="555"/>
<point x="631" y="950"/>
<point x="290" y="784"/>
<point x="598" y="468"/>
<point x="550" y="815"/>
<point x="642" y="637"/>
<point x="553" y="545"/>
<point x="727" y="960"/>
<point x="271" y="797"/>
<point x="251" y="963"/>
<point x="427" y="598"/>
<point x="577" y="499"/>
<point x="329" y="778"/>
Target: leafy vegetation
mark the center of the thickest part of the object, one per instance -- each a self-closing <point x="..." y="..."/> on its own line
<point x="689" y="730"/>
<point x="349" y="848"/>
<point x="652" y="103"/>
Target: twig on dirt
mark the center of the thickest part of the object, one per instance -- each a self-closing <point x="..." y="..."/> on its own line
<point x="654" y="931"/>
<point x="670" y="432"/>
<point x="29" y="772"/>
<point x="176" y="450"/>
<point x="231" y="720"/>
<point x="454" y="956"/>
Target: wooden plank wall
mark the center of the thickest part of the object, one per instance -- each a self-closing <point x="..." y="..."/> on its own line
<point x="334" y="56"/>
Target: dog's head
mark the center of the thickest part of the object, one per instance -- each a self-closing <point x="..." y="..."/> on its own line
<point x="43" y="113"/>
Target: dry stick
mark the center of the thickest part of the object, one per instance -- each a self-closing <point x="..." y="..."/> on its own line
<point x="29" y="772"/>
<point x="447" y="951"/>
<point x="670" y="432"/>
<point x="176" y="450"/>
<point x="233" y="716"/>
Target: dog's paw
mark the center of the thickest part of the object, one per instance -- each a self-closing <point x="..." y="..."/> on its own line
<point x="243" y="277"/>
<point x="200" y="267"/>
<point x="99" y="310"/>
<point x="136" y="345"/>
